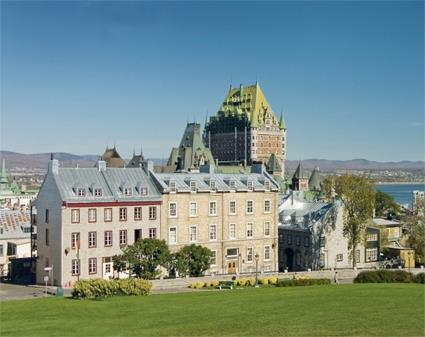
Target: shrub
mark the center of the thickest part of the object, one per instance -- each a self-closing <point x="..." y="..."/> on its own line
<point x="263" y="280"/>
<point x="302" y="282"/>
<point x="214" y="283"/>
<point x="419" y="278"/>
<point x="100" y="288"/>
<point x="199" y="285"/>
<point x="273" y="280"/>
<point x="243" y="282"/>
<point x="384" y="276"/>
<point x="250" y="282"/>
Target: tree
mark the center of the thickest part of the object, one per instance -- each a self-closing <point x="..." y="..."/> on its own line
<point x="416" y="238"/>
<point x="193" y="260"/>
<point x="145" y="256"/>
<point x="385" y="205"/>
<point x="357" y="195"/>
<point x="119" y="263"/>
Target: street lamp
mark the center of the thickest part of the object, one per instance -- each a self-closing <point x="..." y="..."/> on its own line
<point x="256" y="269"/>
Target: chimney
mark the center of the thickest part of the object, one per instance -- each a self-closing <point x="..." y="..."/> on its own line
<point x="53" y="165"/>
<point x="101" y="165"/>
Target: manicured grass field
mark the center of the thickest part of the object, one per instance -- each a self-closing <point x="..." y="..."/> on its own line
<point x="345" y="310"/>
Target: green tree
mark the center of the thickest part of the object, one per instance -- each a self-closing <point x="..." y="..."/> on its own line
<point x="416" y="238"/>
<point x="357" y="195"/>
<point x="193" y="260"/>
<point x="385" y="206"/>
<point x="119" y="263"/>
<point x="145" y="256"/>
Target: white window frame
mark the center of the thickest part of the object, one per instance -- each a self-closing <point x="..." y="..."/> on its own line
<point x="249" y="230"/>
<point x="214" y="238"/>
<point x="92" y="215"/>
<point x="173" y="186"/>
<point x="249" y="255"/>
<point x="214" y="202"/>
<point x="267" y="184"/>
<point x="127" y="191"/>
<point x="269" y="206"/>
<point x="75" y="215"/>
<point x="169" y="235"/>
<point x="250" y="185"/>
<point x="267" y="248"/>
<point x="170" y="215"/>
<point x="196" y="233"/>
<point x="232" y="230"/>
<point x="267" y="226"/>
<point x="97" y="192"/>
<point x="232" y="184"/>
<point x="190" y="209"/>
<point x="213" y="261"/>
<point x="213" y="185"/>
<point x="252" y="207"/>
<point x="193" y="186"/>
<point x="230" y="207"/>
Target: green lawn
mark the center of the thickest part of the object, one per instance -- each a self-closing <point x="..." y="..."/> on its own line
<point x="344" y="310"/>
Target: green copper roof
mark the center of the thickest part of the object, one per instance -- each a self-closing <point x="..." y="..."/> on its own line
<point x="282" y="124"/>
<point x="315" y="181"/>
<point x="299" y="173"/>
<point x="273" y="164"/>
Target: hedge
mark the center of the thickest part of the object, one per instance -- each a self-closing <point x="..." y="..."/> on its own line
<point x="387" y="276"/>
<point x="302" y="282"/>
<point x="100" y="288"/>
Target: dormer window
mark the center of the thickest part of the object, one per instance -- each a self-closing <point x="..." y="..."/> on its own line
<point x="213" y="185"/>
<point x="267" y="184"/>
<point x="172" y="186"/>
<point x="192" y="186"/>
<point x="143" y="191"/>
<point x="97" y="192"/>
<point x="127" y="191"/>
<point x="250" y="185"/>
<point x="81" y="192"/>
<point x="232" y="184"/>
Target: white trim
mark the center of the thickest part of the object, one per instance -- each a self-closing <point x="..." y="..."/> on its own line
<point x="234" y="237"/>
<point x="169" y="209"/>
<point x="216" y="208"/>
<point x="246" y="207"/>
<point x="230" y="213"/>
<point x="267" y="212"/>
<point x="196" y="209"/>
<point x="209" y="232"/>
<point x="196" y="233"/>
<point x="169" y="232"/>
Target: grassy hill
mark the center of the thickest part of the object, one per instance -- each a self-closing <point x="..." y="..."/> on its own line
<point x="344" y="310"/>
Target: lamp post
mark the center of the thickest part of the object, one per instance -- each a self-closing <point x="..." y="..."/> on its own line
<point x="256" y="269"/>
<point x="409" y="254"/>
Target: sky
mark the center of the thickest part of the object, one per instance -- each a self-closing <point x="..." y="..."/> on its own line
<point x="78" y="76"/>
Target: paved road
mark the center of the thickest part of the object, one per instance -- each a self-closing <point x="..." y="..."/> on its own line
<point x="10" y="292"/>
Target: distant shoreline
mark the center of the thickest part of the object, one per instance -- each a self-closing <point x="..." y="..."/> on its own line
<point x="401" y="183"/>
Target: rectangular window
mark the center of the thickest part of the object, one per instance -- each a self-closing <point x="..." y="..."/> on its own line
<point x="213" y="208"/>
<point x="172" y="209"/>
<point x="250" y="207"/>
<point x="289" y="239"/>
<point x="306" y="241"/>
<point x="137" y="235"/>
<point x="47" y="216"/>
<point x="267" y="206"/>
<point x="232" y="207"/>
<point x="108" y="238"/>
<point x="81" y="192"/>
<point x="173" y="186"/>
<point x="123" y="237"/>
<point x="266" y="253"/>
<point x="322" y="260"/>
<point x="193" y="186"/>
<point x="267" y="185"/>
<point x="172" y="235"/>
<point x="75" y="240"/>
<point x="322" y="241"/>
<point x="213" y="232"/>
<point x="137" y="213"/>
<point x="357" y="256"/>
<point x="97" y="192"/>
<point x="143" y="191"/>
<point x="152" y="233"/>
<point x="232" y="184"/>
<point x="249" y="230"/>
<point x="1" y="250"/>
<point x="11" y="249"/>
<point x="75" y="267"/>
<point x="47" y="237"/>
<point x="123" y="214"/>
<point x="107" y="215"/>
<point x="75" y="216"/>
<point x="92" y="239"/>
<point x="193" y="209"/>
<point x="250" y="185"/>
<point x="372" y="237"/>
<point x="192" y="234"/>
<point x="267" y="228"/>
<point x="213" y="185"/>
<point x="249" y="255"/>
<point x="92" y="265"/>
<point x="92" y="214"/>
<point x="297" y="240"/>
<point x="339" y="257"/>
<point x="371" y="254"/>
<point x="152" y="213"/>
<point x="232" y="252"/>
<point x="232" y="231"/>
<point x="127" y="191"/>
<point x="213" y="260"/>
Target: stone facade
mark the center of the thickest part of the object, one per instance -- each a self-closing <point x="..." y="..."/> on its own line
<point x="235" y="223"/>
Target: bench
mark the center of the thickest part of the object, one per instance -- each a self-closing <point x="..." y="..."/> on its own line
<point x="225" y="285"/>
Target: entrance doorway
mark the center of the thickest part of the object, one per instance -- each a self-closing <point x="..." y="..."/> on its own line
<point x="231" y="267"/>
<point x="107" y="268"/>
<point x="289" y="257"/>
<point x="137" y="235"/>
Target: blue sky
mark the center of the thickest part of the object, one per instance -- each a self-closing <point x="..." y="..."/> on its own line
<point x="76" y="76"/>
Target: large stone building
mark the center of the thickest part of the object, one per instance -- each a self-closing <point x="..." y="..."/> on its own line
<point x="246" y="130"/>
<point x="86" y="215"/>
<point x="234" y="215"/>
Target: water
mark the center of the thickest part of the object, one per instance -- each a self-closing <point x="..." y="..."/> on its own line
<point x="402" y="193"/>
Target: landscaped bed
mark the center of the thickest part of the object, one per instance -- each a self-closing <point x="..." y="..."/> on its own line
<point x="343" y="310"/>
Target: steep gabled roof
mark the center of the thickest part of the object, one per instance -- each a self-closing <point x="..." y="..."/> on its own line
<point x="299" y="173"/>
<point x="316" y="180"/>
<point x="112" y="158"/>
<point x="273" y="164"/>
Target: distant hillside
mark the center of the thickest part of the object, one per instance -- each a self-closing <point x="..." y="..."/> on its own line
<point x="39" y="161"/>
